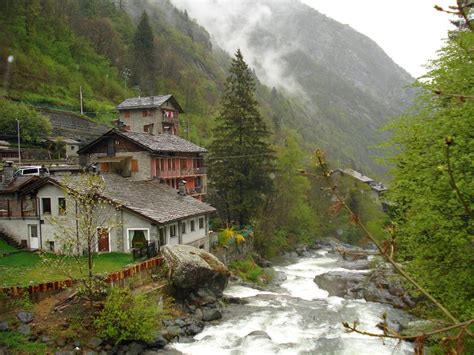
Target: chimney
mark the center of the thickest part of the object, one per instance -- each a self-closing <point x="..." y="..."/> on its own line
<point x="8" y="172"/>
<point x="182" y="187"/>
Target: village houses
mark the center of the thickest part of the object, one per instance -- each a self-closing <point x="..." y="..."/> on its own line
<point x="153" y="178"/>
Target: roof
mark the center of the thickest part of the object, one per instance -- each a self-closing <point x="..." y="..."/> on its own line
<point x="163" y="142"/>
<point x="357" y="175"/>
<point x="150" y="199"/>
<point x="148" y="102"/>
<point x="18" y="183"/>
<point x="4" y="143"/>
<point x="62" y="140"/>
<point x="154" y="143"/>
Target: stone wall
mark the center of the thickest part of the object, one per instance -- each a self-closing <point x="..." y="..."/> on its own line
<point x="233" y="252"/>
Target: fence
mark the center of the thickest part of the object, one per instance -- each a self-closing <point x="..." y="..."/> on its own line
<point x="147" y="251"/>
<point x="114" y="278"/>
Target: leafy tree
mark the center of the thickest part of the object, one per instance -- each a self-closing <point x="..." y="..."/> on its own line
<point x="33" y="125"/>
<point x="288" y="218"/>
<point x="433" y="185"/>
<point x="83" y="215"/>
<point x="241" y="157"/>
<point x="144" y="55"/>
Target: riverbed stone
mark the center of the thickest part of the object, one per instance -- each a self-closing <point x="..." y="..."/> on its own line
<point x="25" y="317"/>
<point x="158" y="342"/>
<point x="186" y="340"/>
<point x="24" y="329"/>
<point x="174" y="331"/>
<point x="191" y="269"/>
<point x="259" y="334"/>
<point x="4" y="326"/>
<point x="211" y="314"/>
<point x="135" y="348"/>
<point x="338" y="283"/>
<point x="194" y="329"/>
<point x="94" y="342"/>
<point x="198" y="314"/>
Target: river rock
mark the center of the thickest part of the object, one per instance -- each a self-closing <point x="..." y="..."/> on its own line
<point x="158" y="342"/>
<point x="25" y="317"/>
<point x="385" y="286"/>
<point x="259" y="334"/>
<point x="94" y="342"/>
<point x="194" y="329"/>
<point x="135" y="348"/>
<point x="340" y="283"/>
<point x="24" y="329"/>
<point x="191" y="269"/>
<point x="211" y="314"/>
<point x="261" y="261"/>
<point x="4" y="326"/>
<point x="355" y="265"/>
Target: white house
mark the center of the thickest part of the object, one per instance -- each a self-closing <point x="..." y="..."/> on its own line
<point x="33" y="210"/>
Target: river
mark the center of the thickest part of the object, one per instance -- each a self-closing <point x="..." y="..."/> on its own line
<point x="298" y="316"/>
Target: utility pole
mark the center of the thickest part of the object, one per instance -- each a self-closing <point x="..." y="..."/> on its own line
<point x="19" y="150"/>
<point x="80" y="95"/>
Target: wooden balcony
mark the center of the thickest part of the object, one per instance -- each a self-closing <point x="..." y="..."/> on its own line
<point x="177" y="173"/>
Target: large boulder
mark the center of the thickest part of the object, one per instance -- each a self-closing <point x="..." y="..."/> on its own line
<point x="341" y="283"/>
<point x="192" y="269"/>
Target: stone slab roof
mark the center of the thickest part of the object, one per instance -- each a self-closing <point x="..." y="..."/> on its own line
<point x="155" y="201"/>
<point x="163" y="142"/>
<point x="148" y="102"/>
<point x="17" y="184"/>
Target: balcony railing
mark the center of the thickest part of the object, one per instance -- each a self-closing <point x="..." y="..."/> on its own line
<point x="182" y="172"/>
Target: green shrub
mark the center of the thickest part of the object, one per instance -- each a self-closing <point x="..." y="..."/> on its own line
<point x="127" y="317"/>
<point x="248" y="270"/>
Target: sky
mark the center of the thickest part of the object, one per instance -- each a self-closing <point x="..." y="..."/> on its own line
<point x="409" y="31"/>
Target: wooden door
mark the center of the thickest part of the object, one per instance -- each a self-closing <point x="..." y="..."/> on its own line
<point x="103" y="234"/>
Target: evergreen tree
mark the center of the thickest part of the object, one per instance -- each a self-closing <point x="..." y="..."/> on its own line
<point x="144" y="68"/>
<point x="241" y="157"/>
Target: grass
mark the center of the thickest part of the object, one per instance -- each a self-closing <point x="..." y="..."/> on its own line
<point x="6" y="248"/>
<point x="28" y="268"/>
<point x="18" y="343"/>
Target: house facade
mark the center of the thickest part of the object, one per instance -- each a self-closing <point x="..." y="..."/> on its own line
<point x="144" y="156"/>
<point x="152" y="114"/>
<point x="35" y="211"/>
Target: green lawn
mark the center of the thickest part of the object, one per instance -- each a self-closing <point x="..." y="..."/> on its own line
<point x="5" y="248"/>
<point x="27" y="268"/>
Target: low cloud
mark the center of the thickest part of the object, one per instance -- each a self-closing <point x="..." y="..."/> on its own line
<point x="245" y="25"/>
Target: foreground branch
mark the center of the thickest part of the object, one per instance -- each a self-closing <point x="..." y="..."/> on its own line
<point x="327" y="176"/>
<point x="353" y="328"/>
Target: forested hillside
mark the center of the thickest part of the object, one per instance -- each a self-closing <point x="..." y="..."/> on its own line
<point x="58" y="47"/>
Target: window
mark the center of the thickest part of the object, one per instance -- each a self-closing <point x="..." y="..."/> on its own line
<point x="183" y="228"/>
<point x="201" y="223"/>
<point x="51" y="246"/>
<point x="148" y="128"/>
<point x="192" y="225"/>
<point x="73" y="147"/>
<point x="137" y="237"/>
<point x="162" y="233"/>
<point x="61" y="205"/>
<point x="46" y="205"/>
<point x="173" y="230"/>
<point x="126" y="114"/>
<point x="134" y="167"/>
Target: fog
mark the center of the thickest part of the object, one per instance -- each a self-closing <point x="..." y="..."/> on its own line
<point x="232" y="24"/>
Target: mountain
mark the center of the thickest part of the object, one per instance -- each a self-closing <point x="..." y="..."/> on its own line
<point x="333" y="85"/>
<point x="346" y="84"/>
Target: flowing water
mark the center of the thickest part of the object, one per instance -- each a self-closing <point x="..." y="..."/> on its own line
<point x="298" y="316"/>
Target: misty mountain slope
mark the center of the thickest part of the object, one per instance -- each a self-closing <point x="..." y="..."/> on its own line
<point x="346" y="84"/>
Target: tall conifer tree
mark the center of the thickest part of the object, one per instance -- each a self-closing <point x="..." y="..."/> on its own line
<point x="241" y="157"/>
<point x="144" y="56"/>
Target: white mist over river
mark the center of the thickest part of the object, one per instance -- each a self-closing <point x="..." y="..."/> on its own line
<point x="298" y="316"/>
